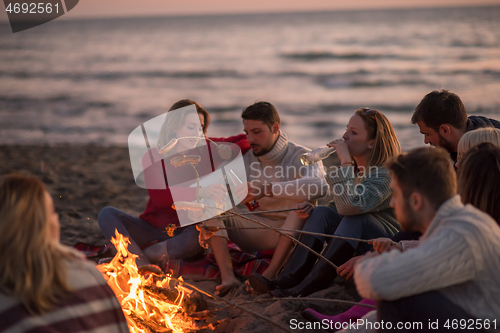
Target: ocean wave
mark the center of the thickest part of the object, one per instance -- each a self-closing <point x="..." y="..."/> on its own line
<point x="343" y="83"/>
<point x="479" y="44"/>
<point x="491" y="72"/>
<point x="59" y="105"/>
<point x="112" y="76"/>
<point x="331" y="80"/>
<point x="400" y="108"/>
<point x="317" y="55"/>
<point x="327" y="108"/>
<point x="76" y="129"/>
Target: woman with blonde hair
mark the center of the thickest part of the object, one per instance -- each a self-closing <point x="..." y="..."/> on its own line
<point x="475" y="137"/>
<point x="45" y="285"/>
<point x="359" y="209"/>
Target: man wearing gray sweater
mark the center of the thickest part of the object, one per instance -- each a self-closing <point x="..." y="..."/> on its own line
<point x="450" y="282"/>
<point x="277" y="180"/>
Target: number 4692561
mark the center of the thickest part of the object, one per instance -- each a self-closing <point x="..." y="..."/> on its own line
<point x="32" y="8"/>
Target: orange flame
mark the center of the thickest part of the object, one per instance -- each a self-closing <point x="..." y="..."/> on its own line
<point x="139" y="303"/>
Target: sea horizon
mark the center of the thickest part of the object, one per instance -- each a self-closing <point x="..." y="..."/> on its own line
<point x="95" y="80"/>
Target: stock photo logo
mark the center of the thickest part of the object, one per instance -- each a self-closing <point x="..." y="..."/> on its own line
<point x="190" y="173"/>
<point x="25" y="15"/>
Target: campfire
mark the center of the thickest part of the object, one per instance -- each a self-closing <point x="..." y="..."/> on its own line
<point x="151" y="301"/>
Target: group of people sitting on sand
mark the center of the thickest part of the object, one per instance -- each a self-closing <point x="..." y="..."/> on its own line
<point x="418" y="232"/>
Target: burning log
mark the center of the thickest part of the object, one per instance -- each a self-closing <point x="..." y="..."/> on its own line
<point x="148" y="326"/>
<point x="151" y="303"/>
<point x="202" y="314"/>
<point x="150" y="269"/>
<point x="190" y="305"/>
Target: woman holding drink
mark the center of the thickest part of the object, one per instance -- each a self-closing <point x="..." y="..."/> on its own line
<point x="359" y="209"/>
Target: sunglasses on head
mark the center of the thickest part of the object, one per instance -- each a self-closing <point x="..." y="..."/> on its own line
<point x="371" y="112"/>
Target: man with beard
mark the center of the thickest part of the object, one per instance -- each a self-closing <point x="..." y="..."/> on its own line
<point x="277" y="180"/>
<point x="451" y="277"/>
<point x="442" y="119"/>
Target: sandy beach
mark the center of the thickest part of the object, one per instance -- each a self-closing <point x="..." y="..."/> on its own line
<point x="84" y="179"/>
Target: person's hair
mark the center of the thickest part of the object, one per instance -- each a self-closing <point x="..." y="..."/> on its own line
<point x="479" y="179"/>
<point x="263" y="111"/>
<point x="425" y="170"/>
<point x="185" y="102"/>
<point x="386" y="143"/>
<point x="475" y="137"/>
<point x="441" y="107"/>
<point x="31" y="267"/>
<point x="174" y="120"/>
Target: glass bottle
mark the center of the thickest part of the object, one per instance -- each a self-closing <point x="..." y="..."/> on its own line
<point x="234" y="181"/>
<point x="316" y="155"/>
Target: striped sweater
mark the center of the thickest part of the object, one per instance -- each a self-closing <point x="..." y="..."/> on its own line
<point x="361" y="195"/>
<point x="92" y="307"/>
<point x="458" y="255"/>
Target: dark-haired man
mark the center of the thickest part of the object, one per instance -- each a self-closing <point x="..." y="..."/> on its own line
<point x="451" y="277"/>
<point x="442" y="119"/>
<point x="278" y="180"/>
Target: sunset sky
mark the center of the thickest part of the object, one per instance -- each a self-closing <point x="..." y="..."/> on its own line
<point x="124" y="8"/>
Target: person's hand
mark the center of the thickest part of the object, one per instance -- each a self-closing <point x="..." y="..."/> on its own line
<point x="225" y="152"/>
<point x="384" y="244"/>
<point x="241" y="191"/>
<point x="215" y="192"/>
<point x="254" y="191"/>
<point x="342" y="150"/>
<point x="195" y="215"/>
<point x="347" y="270"/>
<point x="305" y="211"/>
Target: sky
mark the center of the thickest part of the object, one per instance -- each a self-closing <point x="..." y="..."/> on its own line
<point x="128" y="8"/>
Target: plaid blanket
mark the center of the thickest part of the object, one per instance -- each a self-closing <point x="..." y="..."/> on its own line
<point x="205" y="269"/>
<point x="91" y="251"/>
<point x="243" y="263"/>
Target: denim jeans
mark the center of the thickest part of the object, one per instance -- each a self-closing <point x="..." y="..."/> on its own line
<point x="425" y="308"/>
<point x="326" y="220"/>
<point x="183" y="245"/>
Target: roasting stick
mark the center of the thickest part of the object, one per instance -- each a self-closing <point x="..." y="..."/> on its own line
<point x="299" y="299"/>
<point x="234" y="305"/>
<point x="282" y="229"/>
<point x="295" y="241"/>
<point x="289" y="237"/>
<point x="229" y="213"/>
<point x="186" y="204"/>
<point x="279" y="230"/>
<point x="197" y="184"/>
<point x="302" y="232"/>
<point x="172" y="143"/>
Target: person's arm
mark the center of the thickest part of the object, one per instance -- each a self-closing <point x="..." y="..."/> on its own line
<point x="239" y="140"/>
<point x="445" y="260"/>
<point x="355" y="199"/>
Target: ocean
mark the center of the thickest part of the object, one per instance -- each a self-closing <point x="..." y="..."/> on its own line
<point x="94" y="81"/>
